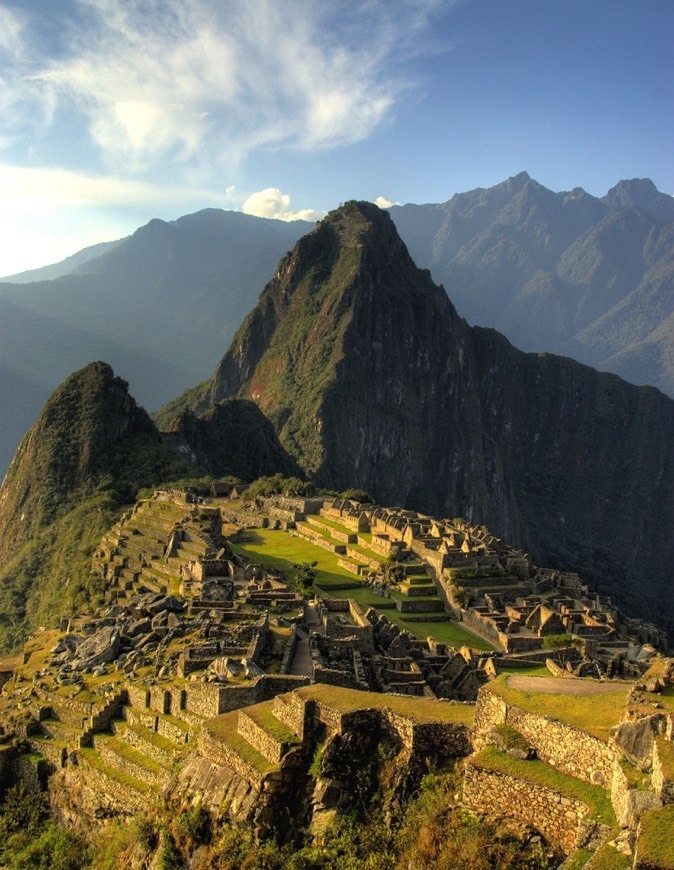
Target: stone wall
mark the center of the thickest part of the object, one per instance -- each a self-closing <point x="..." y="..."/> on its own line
<point x="567" y="748"/>
<point x="139" y="696"/>
<point x="662" y="771"/>
<point x="289" y="651"/>
<point x="476" y="624"/>
<point x="109" y="792"/>
<point x="265" y="743"/>
<point x="294" y="712"/>
<point x="219" y="752"/>
<point x="560" y="819"/>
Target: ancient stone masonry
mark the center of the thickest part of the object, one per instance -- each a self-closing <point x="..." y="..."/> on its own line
<point x="207" y="676"/>
<point x="560" y="818"/>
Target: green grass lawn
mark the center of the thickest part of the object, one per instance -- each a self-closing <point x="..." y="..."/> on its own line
<point x="277" y="549"/>
<point x="595" y="714"/>
<point x="532" y="671"/>
<point x="417" y="709"/>
<point x="655" y="847"/>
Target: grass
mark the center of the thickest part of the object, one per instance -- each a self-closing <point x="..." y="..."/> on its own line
<point x="158" y="740"/>
<point x="263" y="716"/>
<point x="277" y="549"/>
<point x="655" y="847"/>
<point x="540" y="773"/>
<point x="94" y="760"/>
<point x="594" y="714"/>
<point x="578" y="860"/>
<point x="606" y="858"/>
<point x="420" y="710"/>
<point x="666" y="755"/>
<point x="223" y="728"/>
<point x="532" y="671"/>
<point x="124" y="750"/>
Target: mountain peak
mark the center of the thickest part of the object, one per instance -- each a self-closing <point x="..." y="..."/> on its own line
<point x="641" y="193"/>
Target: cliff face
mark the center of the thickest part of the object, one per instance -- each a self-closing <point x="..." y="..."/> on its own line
<point x="232" y="438"/>
<point x="372" y="380"/>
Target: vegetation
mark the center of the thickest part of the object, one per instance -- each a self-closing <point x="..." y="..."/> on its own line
<point x="596" y="714"/>
<point x="534" y="770"/>
<point x="419" y="710"/>
<point x="655" y="840"/>
<point x="28" y="838"/>
<point x="305" y="576"/>
<point x="358" y="495"/>
<point x="561" y="644"/>
<point x="277" y="484"/>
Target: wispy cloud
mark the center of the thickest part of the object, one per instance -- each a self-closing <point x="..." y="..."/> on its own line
<point x="36" y="191"/>
<point x="178" y="78"/>
<point x="272" y="203"/>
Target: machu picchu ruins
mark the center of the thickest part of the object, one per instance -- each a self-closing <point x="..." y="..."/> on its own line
<point x="208" y="675"/>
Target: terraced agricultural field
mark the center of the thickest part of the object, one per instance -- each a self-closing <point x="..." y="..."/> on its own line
<point x="278" y="549"/>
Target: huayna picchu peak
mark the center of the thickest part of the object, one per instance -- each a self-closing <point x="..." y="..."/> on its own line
<point x="371" y="379"/>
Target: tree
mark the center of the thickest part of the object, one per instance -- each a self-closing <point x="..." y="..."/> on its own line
<point x="391" y="572"/>
<point x="305" y="576"/>
<point x="562" y="644"/>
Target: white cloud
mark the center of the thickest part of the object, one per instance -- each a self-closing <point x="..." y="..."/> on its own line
<point x="187" y="77"/>
<point x="384" y="203"/>
<point x="272" y="203"/>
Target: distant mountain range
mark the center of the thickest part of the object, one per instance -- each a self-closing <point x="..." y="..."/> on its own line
<point x="564" y="272"/>
<point x="561" y="272"/>
<point x="160" y="306"/>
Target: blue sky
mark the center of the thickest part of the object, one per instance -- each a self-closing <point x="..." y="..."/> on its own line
<point x="118" y="111"/>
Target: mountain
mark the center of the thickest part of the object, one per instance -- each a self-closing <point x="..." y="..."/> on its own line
<point x="159" y="306"/>
<point x="562" y="272"/>
<point x="90" y="451"/>
<point x="373" y="380"/>
<point x="64" y="267"/>
<point x="559" y="272"/>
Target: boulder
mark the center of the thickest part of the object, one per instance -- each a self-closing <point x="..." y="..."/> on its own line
<point x="636" y="802"/>
<point x="101" y="647"/>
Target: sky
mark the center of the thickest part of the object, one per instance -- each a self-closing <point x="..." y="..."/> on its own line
<point x="115" y="112"/>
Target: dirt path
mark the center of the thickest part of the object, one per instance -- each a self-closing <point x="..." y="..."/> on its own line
<point x="563" y="686"/>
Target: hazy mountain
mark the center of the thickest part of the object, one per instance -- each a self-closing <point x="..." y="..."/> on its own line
<point x="160" y="306"/>
<point x="372" y="380"/>
<point x="64" y="267"/>
<point x="563" y="272"/>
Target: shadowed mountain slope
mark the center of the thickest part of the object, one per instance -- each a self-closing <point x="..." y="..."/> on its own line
<point x="90" y="451"/>
<point x="159" y="306"/>
<point x="372" y="380"/>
